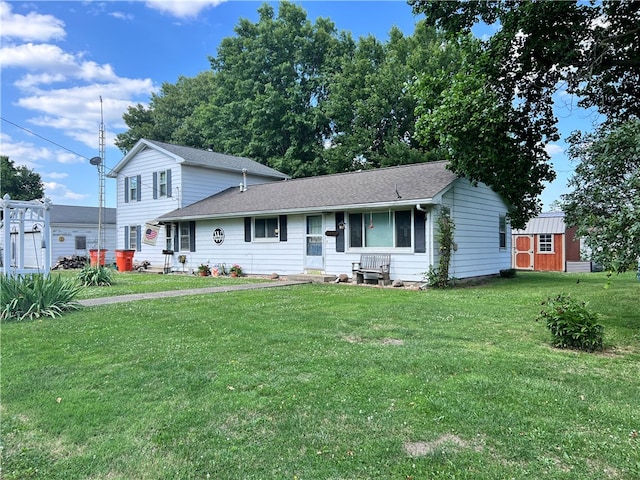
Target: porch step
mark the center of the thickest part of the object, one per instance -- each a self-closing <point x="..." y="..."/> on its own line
<point x="313" y="278"/>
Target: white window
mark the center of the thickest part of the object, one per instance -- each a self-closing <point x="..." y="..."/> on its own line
<point x="502" y="231"/>
<point x="133" y="237"/>
<point x="545" y="243"/>
<point x="380" y="229"/>
<point x="185" y="237"/>
<point x="266" y="228"/>
<point x="162" y="183"/>
<point x="133" y="188"/>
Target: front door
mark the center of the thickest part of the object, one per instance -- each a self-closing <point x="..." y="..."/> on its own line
<point x="314" y="251"/>
<point x="523" y="252"/>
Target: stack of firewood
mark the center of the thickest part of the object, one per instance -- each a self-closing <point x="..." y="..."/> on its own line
<point x="73" y="261"/>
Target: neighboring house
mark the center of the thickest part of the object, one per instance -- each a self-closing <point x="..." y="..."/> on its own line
<point x="155" y="178"/>
<point x="73" y="231"/>
<point x="323" y="224"/>
<point x="547" y="244"/>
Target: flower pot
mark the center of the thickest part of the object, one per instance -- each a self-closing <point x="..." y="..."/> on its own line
<point x="234" y="274"/>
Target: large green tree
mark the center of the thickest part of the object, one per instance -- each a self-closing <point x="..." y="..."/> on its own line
<point x="590" y="49"/>
<point x="605" y="201"/>
<point x="271" y="82"/>
<point x="19" y="182"/>
<point x="371" y="104"/>
<point x="167" y="117"/>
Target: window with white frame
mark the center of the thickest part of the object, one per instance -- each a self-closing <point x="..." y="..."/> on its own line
<point x="162" y="183"/>
<point x="133" y="237"/>
<point x="169" y="236"/>
<point x="185" y="237"/>
<point x="133" y="188"/>
<point x="545" y="243"/>
<point x="380" y="229"/>
<point x="266" y="228"/>
<point x="502" y="231"/>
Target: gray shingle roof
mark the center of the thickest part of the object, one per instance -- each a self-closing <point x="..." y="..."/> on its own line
<point x="413" y="183"/>
<point x="71" y="214"/>
<point x="221" y="161"/>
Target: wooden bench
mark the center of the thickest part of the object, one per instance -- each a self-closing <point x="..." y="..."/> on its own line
<point x="372" y="266"/>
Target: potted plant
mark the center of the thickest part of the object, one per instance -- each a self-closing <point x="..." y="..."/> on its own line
<point x="235" y="270"/>
<point x="204" y="270"/>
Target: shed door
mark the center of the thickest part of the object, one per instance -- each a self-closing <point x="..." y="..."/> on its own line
<point x="523" y="252"/>
<point x="314" y="254"/>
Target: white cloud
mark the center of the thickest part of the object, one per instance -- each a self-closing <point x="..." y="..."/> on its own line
<point x="554" y="149"/>
<point x="55" y="175"/>
<point x="122" y="15"/>
<point x="59" y="192"/>
<point x="76" y="110"/>
<point x="54" y="63"/>
<point x="30" y="27"/>
<point x="182" y="8"/>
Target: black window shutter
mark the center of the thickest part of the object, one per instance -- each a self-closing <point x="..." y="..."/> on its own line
<point x="340" y="237"/>
<point x="139" y="189"/>
<point x="176" y="237"/>
<point x="283" y="228"/>
<point x="126" y="237"/>
<point x="247" y="229"/>
<point x="139" y="238"/>
<point x="419" y="231"/>
<point x="155" y="185"/>
<point x="192" y="236"/>
<point x="169" y="183"/>
<point x="126" y="189"/>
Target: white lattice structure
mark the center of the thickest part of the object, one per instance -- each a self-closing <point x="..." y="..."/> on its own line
<point x="22" y="219"/>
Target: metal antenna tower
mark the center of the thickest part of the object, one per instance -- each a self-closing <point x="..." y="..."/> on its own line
<point x="99" y="162"/>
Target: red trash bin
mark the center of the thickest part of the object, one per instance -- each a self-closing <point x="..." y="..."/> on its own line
<point x="124" y="260"/>
<point x="93" y="257"/>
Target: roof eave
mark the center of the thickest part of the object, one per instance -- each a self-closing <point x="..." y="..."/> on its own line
<point x="290" y="211"/>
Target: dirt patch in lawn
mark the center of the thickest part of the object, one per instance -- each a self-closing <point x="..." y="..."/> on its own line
<point x="445" y="443"/>
<point x="384" y="341"/>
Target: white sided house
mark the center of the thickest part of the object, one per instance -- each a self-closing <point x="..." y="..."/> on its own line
<point x="72" y="230"/>
<point x="323" y="224"/>
<point x="155" y="178"/>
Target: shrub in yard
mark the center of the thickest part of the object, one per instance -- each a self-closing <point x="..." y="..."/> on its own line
<point x="33" y="296"/>
<point x="508" y="273"/>
<point x="95" y="276"/>
<point x="571" y="323"/>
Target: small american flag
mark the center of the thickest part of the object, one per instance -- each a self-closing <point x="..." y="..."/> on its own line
<point x="150" y="234"/>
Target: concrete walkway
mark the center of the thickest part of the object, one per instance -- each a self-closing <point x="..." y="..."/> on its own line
<point x="92" y="302"/>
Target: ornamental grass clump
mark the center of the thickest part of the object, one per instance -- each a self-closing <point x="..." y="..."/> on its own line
<point x="95" y="276"/>
<point x="33" y="296"/>
<point x="572" y="324"/>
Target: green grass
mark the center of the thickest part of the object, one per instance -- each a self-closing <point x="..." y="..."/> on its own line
<point x="125" y="283"/>
<point x="326" y="382"/>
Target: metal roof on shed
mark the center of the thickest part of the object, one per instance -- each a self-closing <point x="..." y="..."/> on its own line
<point x="549" y="222"/>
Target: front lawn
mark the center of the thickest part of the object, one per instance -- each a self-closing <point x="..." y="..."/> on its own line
<point x="326" y="382"/>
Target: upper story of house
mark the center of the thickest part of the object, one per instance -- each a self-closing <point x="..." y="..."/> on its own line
<point x="155" y="178"/>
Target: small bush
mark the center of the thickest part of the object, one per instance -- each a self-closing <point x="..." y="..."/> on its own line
<point x="34" y="296"/>
<point x="571" y="324"/>
<point x="95" y="276"/>
<point x="508" y="273"/>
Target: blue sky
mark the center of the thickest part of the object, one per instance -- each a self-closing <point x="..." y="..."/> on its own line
<point x="58" y="58"/>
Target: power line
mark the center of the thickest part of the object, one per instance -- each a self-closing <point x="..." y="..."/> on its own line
<point x="43" y="138"/>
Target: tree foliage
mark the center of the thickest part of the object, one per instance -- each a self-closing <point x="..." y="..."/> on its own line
<point x="591" y="49"/>
<point x="300" y="96"/>
<point x="19" y="182"/>
<point x="605" y="202"/>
